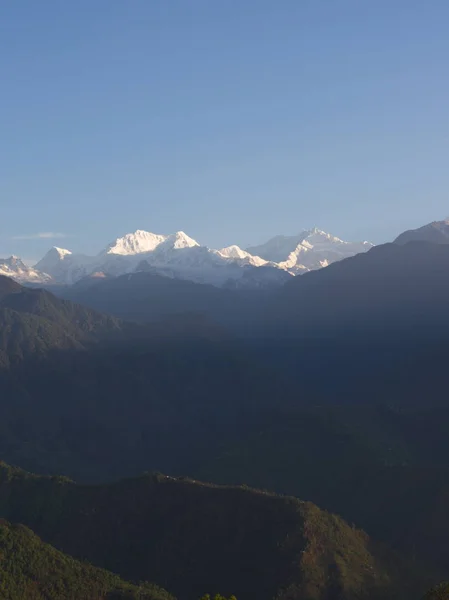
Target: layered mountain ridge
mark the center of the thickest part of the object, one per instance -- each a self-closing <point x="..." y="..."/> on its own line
<point x="181" y="257"/>
<point x="236" y="395"/>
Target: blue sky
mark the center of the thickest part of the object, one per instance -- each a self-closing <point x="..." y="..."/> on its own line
<point x="233" y="120"/>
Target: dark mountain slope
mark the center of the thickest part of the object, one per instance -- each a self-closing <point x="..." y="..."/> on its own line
<point x="76" y="319"/>
<point x="71" y="316"/>
<point x="436" y="232"/>
<point x="385" y="470"/>
<point x="193" y="537"/>
<point x="104" y="414"/>
<point x="33" y="570"/>
<point x="146" y="296"/>
<point x="370" y="329"/>
<point x="24" y="335"/>
<point x="401" y="287"/>
<point x="8" y="286"/>
<point x="34" y="322"/>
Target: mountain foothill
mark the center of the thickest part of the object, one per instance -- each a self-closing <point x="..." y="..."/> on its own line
<point x="217" y="410"/>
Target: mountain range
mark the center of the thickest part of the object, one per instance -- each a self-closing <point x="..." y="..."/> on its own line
<point x="181" y="257"/>
<point x="329" y="389"/>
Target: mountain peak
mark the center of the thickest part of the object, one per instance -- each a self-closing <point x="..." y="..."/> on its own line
<point x="15" y="268"/>
<point x="233" y="251"/>
<point x="13" y="260"/>
<point x="179" y="255"/>
<point x="242" y="257"/>
<point x="55" y="254"/>
<point x="135" y="243"/>
<point x="60" y="251"/>
<point x="53" y="257"/>
<point x="181" y="240"/>
<point x="436" y="232"/>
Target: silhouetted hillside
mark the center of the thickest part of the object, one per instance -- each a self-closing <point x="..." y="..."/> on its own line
<point x="192" y="537"/>
<point x="399" y="288"/>
<point x="436" y="232"/>
<point x="34" y="322"/>
<point x="146" y="296"/>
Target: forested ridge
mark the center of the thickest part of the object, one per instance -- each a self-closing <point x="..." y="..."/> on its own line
<point x="332" y="391"/>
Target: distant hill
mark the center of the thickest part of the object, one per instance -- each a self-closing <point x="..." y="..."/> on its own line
<point x="192" y="537"/>
<point x="102" y="398"/>
<point x="148" y="296"/>
<point x="436" y="232"/>
<point x="34" y="322"/>
<point x="33" y="570"/>
<point x="404" y="286"/>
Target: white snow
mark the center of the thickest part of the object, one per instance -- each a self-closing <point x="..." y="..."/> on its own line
<point x="14" y="267"/>
<point x="135" y="243"/>
<point x="241" y="256"/>
<point x="178" y="255"/>
<point x="309" y="250"/>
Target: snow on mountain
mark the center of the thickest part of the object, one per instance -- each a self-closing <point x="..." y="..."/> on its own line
<point x="180" y="256"/>
<point x="14" y="267"/>
<point x="309" y="250"/>
<point x="202" y="265"/>
<point x="179" y="240"/>
<point x="170" y="248"/>
<point x="241" y="256"/>
<point x="135" y="243"/>
<point x="53" y="258"/>
<point x="65" y="267"/>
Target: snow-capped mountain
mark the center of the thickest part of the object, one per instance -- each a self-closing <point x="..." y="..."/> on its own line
<point x="180" y="256"/>
<point x="312" y="249"/>
<point x="135" y="243"/>
<point x="65" y="267"/>
<point x="242" y="257"/>
<point x="14" y="267"/>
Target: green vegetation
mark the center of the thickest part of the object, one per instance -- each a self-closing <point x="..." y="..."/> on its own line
<point x="440" y="592"/>
<point x="32" y="570"/>
<point x="190" y="537"/>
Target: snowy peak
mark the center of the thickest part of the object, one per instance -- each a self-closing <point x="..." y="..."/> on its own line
<point x="237" y="254"/>
<point x="141" y="242"/>
<point x="13" y="262"/>
<point x="178" y="255"/>
<point x="180" y="240"/>
<point x="61" y="252"/>
<point x="53" y="257"/>
<point x="310" y="249"/>
<point x="135" y="243"/>
<point x="233" y="252"/>
<point x="278" y="248"/>
<point x="14" y="267"/>
<point x="317" y="236"/>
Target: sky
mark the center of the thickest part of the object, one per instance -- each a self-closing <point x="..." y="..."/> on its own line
<point x="233" y="120"/>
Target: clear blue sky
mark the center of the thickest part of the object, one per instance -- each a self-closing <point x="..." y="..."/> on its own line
<point x="233" y="120"/>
